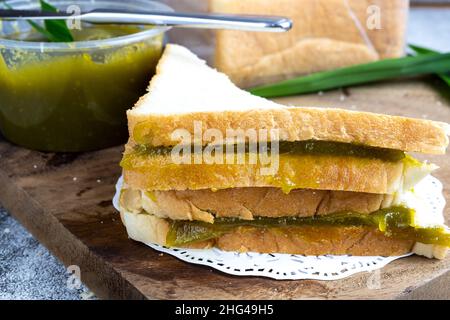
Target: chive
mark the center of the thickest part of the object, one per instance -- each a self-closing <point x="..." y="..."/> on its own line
<point x="358" y="74"/>
<point x="422" y="50"/>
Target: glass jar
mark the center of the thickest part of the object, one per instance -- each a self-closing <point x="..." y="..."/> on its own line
<point x="70" y="97"/>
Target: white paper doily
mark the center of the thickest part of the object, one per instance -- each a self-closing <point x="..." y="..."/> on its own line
<point x="297" y="267"/>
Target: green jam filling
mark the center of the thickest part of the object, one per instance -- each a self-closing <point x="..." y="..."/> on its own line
<point x="395" y="222"/>
<point x="302" y="147"/>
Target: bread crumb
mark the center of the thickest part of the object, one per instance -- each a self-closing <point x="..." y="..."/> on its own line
<point x="35" y="166"/>
<point x="74" y="178"/>
<point x="99" y="180"/>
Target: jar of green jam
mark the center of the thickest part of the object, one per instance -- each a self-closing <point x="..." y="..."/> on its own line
<point x="71" y="97"/>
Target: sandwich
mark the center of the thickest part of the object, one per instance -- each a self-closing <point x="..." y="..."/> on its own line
<point x="210" y="165"/>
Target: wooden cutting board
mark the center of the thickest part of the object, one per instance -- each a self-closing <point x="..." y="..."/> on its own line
<point x="64" y="200"/>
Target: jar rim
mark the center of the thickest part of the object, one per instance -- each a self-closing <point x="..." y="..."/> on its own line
<point x="89" y="44"/>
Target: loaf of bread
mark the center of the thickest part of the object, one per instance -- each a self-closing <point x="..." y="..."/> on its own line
<point x="327" y="34"/>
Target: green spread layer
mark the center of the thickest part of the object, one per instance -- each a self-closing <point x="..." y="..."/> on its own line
<point x="303" y="147"/>
<point x="395" y="222"/>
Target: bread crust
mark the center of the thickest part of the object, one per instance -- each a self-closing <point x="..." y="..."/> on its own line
<point x="314" y="240"/>
<point x="289" y="63"/>
<point x="363" y="241"/>
<point x="300" y="124"/>
<point x="248" y="203"/>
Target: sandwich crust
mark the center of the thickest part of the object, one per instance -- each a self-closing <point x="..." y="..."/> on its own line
<point x="247" y="203"/>
<point x="311" y="240"/>
<point x="314" y="240"/>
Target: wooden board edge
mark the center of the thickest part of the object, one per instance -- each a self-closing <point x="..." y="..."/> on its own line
<point x="101" y="278"/>
<point x="435" y="289"/>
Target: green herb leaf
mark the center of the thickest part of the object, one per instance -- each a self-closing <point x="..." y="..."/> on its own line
<point x="359" y="74"/>
<point x="53" y="30"/>
<point x="57" y="28"/>
<point x="43" y="31"/>
<point x="422" y="50"/>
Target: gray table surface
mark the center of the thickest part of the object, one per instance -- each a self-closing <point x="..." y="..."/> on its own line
<point x="29" y="271"/>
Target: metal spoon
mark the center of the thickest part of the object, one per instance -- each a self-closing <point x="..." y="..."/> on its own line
<point x="160" y="18"/>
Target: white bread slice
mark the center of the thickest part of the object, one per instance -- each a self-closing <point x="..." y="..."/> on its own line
<point x="185" y="90"/>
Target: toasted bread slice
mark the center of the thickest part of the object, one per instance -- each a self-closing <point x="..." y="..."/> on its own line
<point x="185" y="90"/>
<point x="312" y="240"/>
<point x="248" y="203"/>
